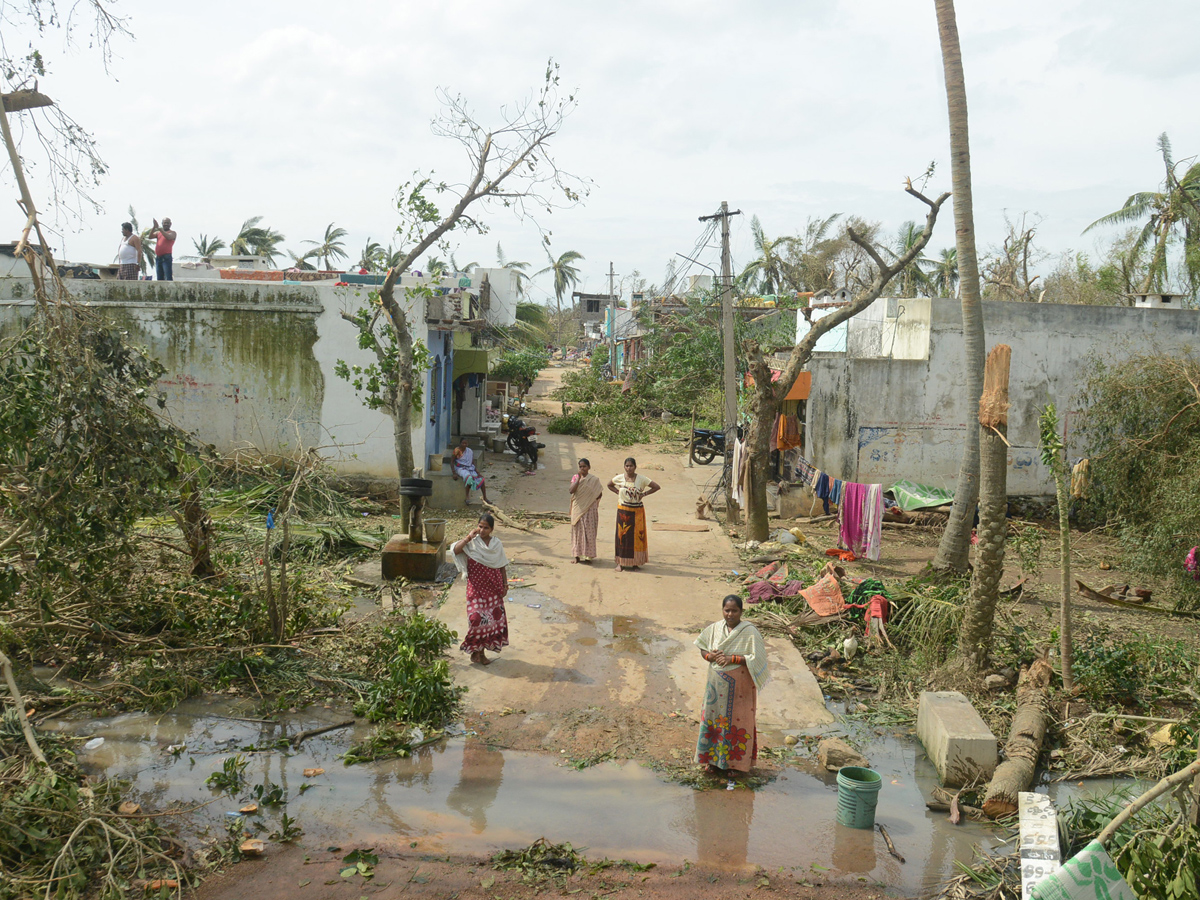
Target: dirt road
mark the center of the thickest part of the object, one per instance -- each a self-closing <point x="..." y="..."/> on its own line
<point x="599" y="660"/>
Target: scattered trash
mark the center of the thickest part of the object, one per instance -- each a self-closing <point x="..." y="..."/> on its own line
<point x="93" y="743"/>
<point x="730" y="786"/>
<point x="417" y="735"/>
<point x="791" y="740"/>
<point x="249" y="809"/>
<point x="129" y="808"/>
<point x="313" y="773"/>
<point x="232" y="814"/>
<point x="534" y="605"/>
<point x="253" y="847"/>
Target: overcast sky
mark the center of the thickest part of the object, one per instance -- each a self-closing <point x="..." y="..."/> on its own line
<point x="309" y="113"/>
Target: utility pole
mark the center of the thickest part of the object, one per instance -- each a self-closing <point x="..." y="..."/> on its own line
<point x="612" y="324"/>
<point x="730" y="356"/>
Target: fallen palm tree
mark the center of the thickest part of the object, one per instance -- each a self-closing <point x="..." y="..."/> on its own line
<point x="1024" y="744"/>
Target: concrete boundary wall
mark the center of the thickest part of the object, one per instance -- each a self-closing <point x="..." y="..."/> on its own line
<point x="877" y="419"/>
<point x="252" y="363"/>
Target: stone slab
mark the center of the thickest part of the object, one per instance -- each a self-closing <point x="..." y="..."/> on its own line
<point x="956" y="738"/>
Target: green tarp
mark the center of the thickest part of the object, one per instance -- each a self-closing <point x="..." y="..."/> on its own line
<point x="910" y="495"/>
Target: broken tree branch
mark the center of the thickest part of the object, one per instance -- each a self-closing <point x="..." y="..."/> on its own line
<point x="1024" y="743"/>
<point x="26" y="728"/>
<point x="1167" y="784"/>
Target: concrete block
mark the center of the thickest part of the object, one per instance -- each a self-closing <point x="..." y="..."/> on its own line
<point x="798" y="501"/>
<point x="955" y="738"/>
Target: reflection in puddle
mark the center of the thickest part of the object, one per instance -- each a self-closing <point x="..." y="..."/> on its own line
<point x="461" y="796"/>
<point x="622" y="631"/>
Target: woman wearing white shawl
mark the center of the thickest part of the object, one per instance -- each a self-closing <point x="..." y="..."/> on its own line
<point x="586" y="492"/>
<point x="737" y="671"/>
<point x="480" y="556"/>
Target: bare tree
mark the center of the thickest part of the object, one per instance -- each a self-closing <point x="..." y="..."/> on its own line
<point x="767" y="396"/>
<point x="1006" y="270"/>
<point x="52" y="145"/>
<point x="510" y="166"/>
<point x="955" y="545"/>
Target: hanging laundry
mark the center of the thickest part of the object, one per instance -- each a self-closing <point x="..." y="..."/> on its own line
<point x="861" y="517"/>
<point x="775" y="432"/>
<point x="790" y="434"/>
<point x="739" y="449"/>
<point x="805" y="471"/>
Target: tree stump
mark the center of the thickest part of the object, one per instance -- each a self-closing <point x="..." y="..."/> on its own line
<point x="1024" y="743"/>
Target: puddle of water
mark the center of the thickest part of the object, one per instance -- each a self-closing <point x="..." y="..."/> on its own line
<point x="463" y="797"/>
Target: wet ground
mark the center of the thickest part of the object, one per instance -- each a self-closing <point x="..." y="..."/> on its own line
<point x="461" y="796"/>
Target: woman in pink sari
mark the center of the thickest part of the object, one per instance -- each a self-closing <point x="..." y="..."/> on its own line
<point x="586" y="491"/>
<point x="480" y="556"/>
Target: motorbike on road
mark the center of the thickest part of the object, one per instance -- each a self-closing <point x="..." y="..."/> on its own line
<point x="522" y="440"/>
<point x="707" y="445"/>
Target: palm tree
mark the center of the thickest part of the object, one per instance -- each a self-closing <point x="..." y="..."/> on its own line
<point x="392" y="258"/>
<point x="207" y="247"/>
<point x="566" y="276"/>
<point x="945" y="273"/>
<point x="372" y="255"/>
<point x="533" y="321"/>
<point x="518" y="268"/>
<point x="301" y="261"/>
<point x="465" y="267"/>
<point x="434" y="267"/>
<point x="955" y="544"/>
<point x="975" y="635"/>
<point x="329" y="248"/>
<point x="914" y="280"/>
<point x="252" y="239"/>
<point x="770" y="271"/>
<point x="1174" y="207"/>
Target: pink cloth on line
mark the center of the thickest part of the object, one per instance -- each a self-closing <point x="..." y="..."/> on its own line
<point x="851" y="514"/>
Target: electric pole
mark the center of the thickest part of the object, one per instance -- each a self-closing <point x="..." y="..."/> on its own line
<point x="726" y="290"/>
<point x="612" y="324"/>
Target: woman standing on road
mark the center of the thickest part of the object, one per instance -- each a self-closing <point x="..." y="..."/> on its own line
<point x="586" y="492"/>
<point x="737" y="671"/>
<point x="480" y="556"/>
<point x="633" y="549"/>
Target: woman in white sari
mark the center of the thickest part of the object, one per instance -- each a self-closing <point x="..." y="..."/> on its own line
<point x="737" y="671"/>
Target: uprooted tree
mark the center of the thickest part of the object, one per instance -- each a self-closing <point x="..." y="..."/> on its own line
<point x="767" y="397"/>
<point x="511" y="165"/>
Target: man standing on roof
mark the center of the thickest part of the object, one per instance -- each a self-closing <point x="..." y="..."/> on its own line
<point x="163" y="248"/>
<point x="129" y="253"/>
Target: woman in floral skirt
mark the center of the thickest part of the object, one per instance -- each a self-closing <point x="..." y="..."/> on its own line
<point x="737" y="671"/>
<point x="480" y="556"/>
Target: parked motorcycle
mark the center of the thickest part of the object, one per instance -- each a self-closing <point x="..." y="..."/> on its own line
<point x="707" y="445"/>
<point x="522" y="440"/>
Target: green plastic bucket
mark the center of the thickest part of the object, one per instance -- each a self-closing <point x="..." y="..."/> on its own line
<point x="858" y="791"/>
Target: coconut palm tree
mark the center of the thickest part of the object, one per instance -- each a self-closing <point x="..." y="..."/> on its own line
<point x="253" y="239"/>
<point x="392" y="258"/>
<point x="513" y="266"/>
<point x="301" y="261"/>
<point x="207" y="247"/>
<point x="329" y="248"/>
<point x="566" y="276"/>
<point x="434" y="267"/>
<point x="1172" y="212"/>
<point x="914" y="280"/>
<point x="770" y="272"/>
<point x="945" y="273"/>
<point x="955" y="544"/>
<point x="371" y="257"/>
<point x="978" y="619"/>
<point x="465" y="267"/>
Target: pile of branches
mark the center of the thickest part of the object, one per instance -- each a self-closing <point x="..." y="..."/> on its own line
<point x="1142" y="432"/>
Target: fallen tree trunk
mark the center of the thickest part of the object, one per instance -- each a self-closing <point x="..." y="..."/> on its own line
<point x="1024" y="743"/>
